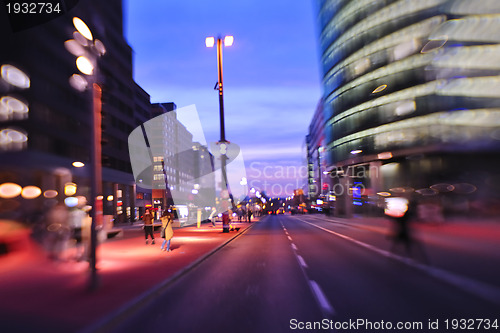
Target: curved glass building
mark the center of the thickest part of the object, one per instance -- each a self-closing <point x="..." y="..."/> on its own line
<point x="411" y="91"/>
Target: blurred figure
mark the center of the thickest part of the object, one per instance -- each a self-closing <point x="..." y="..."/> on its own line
<point x="76" y="218"/>
<point x="58" y="231"/>
<point x="250" y="215"/>
<point x="231" y="217"/>
<point x="167" y="232"/>
<point x="402" y="211"/>
<point x="148" y="226"/>
<point x="226" y="220"/>
<point x="86" y="230"/>
<point x="213" y="216"/>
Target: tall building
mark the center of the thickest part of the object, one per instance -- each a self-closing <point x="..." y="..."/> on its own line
<point x="143" y="112"/>
<point x="52" y="126"/>
<point x="177" y="170"/>
<point x="316" y="164"/>
<point x="411" y="102"/>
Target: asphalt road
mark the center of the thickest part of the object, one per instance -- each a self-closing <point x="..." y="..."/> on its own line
<point x="288" y="273"/>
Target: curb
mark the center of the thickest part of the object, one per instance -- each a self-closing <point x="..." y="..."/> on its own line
<point x="109" y="322"/>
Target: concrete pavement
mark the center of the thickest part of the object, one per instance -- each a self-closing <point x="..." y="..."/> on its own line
<point x="49" y="296"/>
<point x="40" y="295"/>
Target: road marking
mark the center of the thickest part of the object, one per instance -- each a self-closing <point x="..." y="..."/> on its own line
<point x="320" y="296"/>
<point x="302" y="261"/>
<point x="477" y="288"/>
<point x="325" y="306"/>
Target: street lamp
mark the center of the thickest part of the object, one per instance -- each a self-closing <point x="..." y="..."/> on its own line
<point x="88" y="50"/>
<point x="210" y="42"/>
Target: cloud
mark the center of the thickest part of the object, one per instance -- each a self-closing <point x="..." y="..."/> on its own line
<point x="270" y="152"/>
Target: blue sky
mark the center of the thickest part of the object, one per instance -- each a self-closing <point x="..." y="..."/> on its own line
<point x="271" y="74"/>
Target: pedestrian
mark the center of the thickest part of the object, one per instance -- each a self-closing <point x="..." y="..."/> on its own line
<point x="148" y="226"/>
<point x="167" y="232"/>
<point x="402" y="212"/>
<point x="213" y="216"/>
<point x="59" y="231"/>
<point x="249" y="215"/>
<point x="76" y="219"/>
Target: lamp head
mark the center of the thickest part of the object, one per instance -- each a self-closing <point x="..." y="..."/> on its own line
<point x="209" y="41"/>
<point x="228" y="40"/>
<point x="82" y="28"/>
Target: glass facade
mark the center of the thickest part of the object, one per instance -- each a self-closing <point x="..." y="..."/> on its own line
<point x="407" y="78"/>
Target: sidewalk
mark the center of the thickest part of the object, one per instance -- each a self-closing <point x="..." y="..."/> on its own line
<point x="52" y="296"/>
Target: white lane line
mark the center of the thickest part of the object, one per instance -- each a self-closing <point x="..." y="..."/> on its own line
<point x="302" y="261"/>
<point x="324" y="304"/>
<point x="320" y="296"/>
<point x="477" y="288"/>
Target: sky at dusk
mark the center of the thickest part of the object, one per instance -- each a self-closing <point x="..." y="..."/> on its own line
<point x="271" y="75"/>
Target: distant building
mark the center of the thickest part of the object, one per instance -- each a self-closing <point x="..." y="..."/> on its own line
<point x="316" y="163"/>
<point x="182" y="169"/>
<point x="142" y="114"/>
<point x="411" y="102"/>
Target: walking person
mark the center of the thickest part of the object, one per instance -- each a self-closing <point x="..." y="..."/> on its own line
<point x="76" y="219"/>
<point x="59" y="231"/>
<point x="167" y="232"/>
<point x="402" y="211"/>
<point x="250" y="215"/>
<point x="148" y="226"/>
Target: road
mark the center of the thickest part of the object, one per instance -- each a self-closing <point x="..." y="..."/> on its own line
<point x="292" y="272"/>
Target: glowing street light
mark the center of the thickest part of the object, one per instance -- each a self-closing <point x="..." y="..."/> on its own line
<point x="88" y="50"/>
<point x="210" y="42"/>
<point x="84" y="65"/>
<point x="78" y="164"/>
<point x="15" y="76"/>
<point x="228" y="40"/>
<point x="82" y="28"/>
<point x="10" y="190"/>
<point x="31" y="192"/>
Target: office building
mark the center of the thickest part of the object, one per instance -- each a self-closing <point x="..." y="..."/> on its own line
<point x="411" y="102"/>
<point x="177" y="170"/>
<point x="316" y="162"/>
<point x="52" y="126"/>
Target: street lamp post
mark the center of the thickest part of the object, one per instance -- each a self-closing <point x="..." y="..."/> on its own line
<point x="228" y="41"/>
<point x="88" y="50"/>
